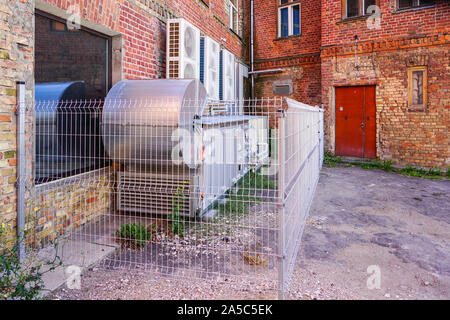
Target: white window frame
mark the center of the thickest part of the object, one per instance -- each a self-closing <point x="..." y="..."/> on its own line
<point x="234" y="8"/>
<point x="290" y="7"/>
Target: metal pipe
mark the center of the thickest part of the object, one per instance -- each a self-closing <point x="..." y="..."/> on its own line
<point x="21" y="165"/>
<point x="266" y="71"/>
<point x="252" y="48"/>
<point x="281" y="201"/>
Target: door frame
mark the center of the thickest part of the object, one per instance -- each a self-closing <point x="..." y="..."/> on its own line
<point x="333" y="111"/>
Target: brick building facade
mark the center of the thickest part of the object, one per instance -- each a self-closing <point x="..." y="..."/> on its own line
<point x="310" y="50"/>
<point x="382" y="56"/>
<point x="378" y="49"/>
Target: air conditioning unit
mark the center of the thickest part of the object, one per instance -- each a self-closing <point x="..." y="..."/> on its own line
<point x="211" y="67"/>
<point x="183" y="50"/>
<point x="228" y="75"/>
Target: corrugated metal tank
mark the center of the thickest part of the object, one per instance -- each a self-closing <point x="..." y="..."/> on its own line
<point x="140" y="116"/>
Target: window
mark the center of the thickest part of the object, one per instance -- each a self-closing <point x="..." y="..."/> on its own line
<point x="71" y="66"/>
<point x="288" y="18"/>
<point x="234" y="16"/>
<point x="417" y="87"/>
<point x="356" y="8"/>
<point x="407" y="4"/>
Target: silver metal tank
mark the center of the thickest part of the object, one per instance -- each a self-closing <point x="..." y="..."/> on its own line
<point x="140" y="117"/>
<point x="67" y="129"/>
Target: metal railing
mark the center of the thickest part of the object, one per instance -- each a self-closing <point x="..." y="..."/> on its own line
<point x="125" y="184"/>
<point x="301" y="160"/>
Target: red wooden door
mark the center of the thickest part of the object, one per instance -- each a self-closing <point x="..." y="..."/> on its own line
<point x="355" y="121"/>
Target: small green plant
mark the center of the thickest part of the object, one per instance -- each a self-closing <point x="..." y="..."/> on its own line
<point x="331" y="160"/>
<point x="177" y="223"/>
<point x="387" y="166"/>
<point x="431" y="173"/>
<point x="435" y="172"/>
<point x="21" y="279"/>
<point x="138" y="234"/>
<point x="245" y="192"/>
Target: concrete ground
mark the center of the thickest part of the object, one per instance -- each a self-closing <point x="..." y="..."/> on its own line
<point x="363" y="218"/>
<point x="360" y="219"/>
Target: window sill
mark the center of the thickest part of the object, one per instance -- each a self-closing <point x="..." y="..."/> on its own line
<point x="288" y="37"/>
<point x="413" y="9"/>
<point x="357" y="18"/>
<point x="417" y="108"/>
<point x="235" y="33"/>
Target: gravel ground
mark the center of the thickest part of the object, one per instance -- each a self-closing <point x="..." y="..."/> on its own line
<point x="359" y="218"/>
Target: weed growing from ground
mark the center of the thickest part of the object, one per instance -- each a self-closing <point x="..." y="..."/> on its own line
<point x="331" y="160"/>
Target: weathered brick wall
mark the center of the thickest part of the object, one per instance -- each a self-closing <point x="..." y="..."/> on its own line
<point x="63" y="205"/>
<point x="298" y="55"/>
<point x="410" y="38"/>
<point x="305" y="77"/>
<point x="16" y="64"/>
<point x="267" y="43"/>
<point x="394" y="23"/>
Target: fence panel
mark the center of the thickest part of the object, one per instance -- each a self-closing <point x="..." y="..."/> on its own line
<point x="301" y="164"/>
<point x="190" y="191"/>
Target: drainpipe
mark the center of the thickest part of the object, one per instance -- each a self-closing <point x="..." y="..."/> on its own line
<point x="252" y="48"/>
<point x="21" y="165"/>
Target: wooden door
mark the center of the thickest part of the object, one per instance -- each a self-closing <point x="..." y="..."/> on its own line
<point x="356" y="121"/>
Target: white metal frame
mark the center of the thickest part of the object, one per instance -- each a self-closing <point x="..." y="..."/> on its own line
<point x="290" y="8"/>
<point x="234" y="9"/>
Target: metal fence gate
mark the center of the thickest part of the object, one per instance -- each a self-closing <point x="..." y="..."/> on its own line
<point x="220" y="191"/>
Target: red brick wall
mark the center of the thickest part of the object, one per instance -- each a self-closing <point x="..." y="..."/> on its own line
<point x="394" y="23"/>
<point x="298" y="56"/>
<point x="267" y="43"/>
<point x="142" y="26"/>
<point x="410" y="38"/>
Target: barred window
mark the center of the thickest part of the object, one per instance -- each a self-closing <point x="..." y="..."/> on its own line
<point x="417" y="87"/>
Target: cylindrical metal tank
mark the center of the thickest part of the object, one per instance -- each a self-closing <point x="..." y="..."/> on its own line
<point x="140" y="118"/>
<point x="67" y="129"/>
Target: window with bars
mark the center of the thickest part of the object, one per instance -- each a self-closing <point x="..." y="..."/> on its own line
<point x="356" y="8"/>
<point x="289" y="18"/>
<point x="234" y="15"/>
<point x="417" y="87"/>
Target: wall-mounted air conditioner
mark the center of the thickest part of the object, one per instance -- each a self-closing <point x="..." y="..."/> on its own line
<point x="228" y="75"/>
<point x="183" y="50"/>
<point x="210" y="69"/>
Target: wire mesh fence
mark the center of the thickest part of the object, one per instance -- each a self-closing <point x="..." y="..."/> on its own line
<point x="186" y="189"/>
